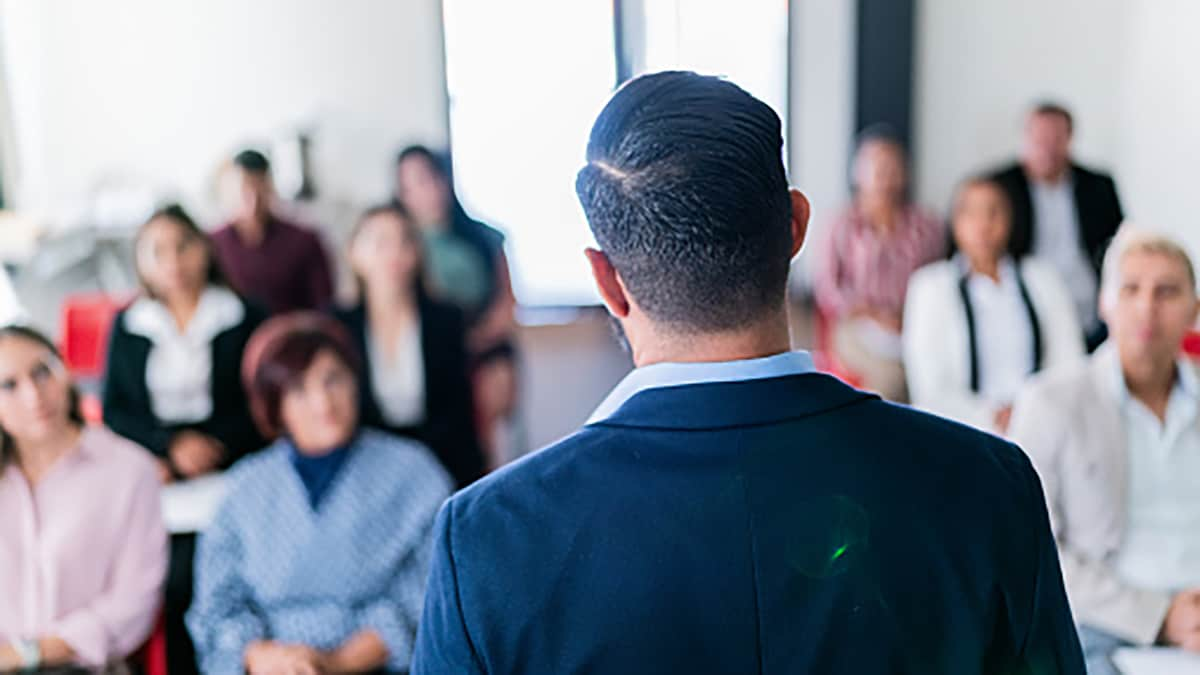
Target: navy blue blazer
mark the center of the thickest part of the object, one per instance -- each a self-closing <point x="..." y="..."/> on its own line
<point x="784" y="525"/>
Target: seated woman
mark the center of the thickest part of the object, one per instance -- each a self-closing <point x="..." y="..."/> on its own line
<point x="468" y="268"/>
<point x="871" y="250"/>
<point x="976" y="326"/>
<point x="83" y="552"/>
<point x="414" y="380"/>
<point x="317" y="560"/>
<point x="173" y="378"/>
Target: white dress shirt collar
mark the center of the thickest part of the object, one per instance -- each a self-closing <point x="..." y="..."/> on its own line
<point x="218" y="310"/>
<point x="1187" y="381"/>
<point x="677" y="374"/>
<point x="179" y="365"/>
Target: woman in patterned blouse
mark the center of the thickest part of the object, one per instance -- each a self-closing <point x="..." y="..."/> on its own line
<point x="316" y="562"/>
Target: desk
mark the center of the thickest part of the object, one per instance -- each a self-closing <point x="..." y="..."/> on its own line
<point x="1157" y="661"/>
<point x="189" y="506"/>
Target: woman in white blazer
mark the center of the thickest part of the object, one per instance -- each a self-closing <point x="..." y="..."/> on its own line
<point x="976" y="326"/>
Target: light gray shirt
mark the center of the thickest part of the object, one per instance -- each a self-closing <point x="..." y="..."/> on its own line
<point x="1057" y="240"/>
<point x="1161" y="549"/>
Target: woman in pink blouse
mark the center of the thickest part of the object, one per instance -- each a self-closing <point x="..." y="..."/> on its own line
<point x="83" y="551"/>
<point x="872" y="248"/>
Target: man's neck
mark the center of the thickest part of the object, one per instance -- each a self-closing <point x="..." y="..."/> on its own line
<point x="988" y="267"/>
<point x="1151" y="384"/>
<point x="182" y="308"/>
<point x="390" y="303"/>
<point x="252" y="231"/>
<point x="766" y="338"/>
<point x="1053" y="179"/>
<point x="880" y="211"/>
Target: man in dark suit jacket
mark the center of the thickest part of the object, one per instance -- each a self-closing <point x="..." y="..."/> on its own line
<point x="728" y="509"/>
<point x="1062" y="212"/>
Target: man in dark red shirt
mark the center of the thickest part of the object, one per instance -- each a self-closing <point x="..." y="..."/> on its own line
<point x="272" y="262"/>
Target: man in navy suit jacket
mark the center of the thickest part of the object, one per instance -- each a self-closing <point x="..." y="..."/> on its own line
<point x="727" y="509"/>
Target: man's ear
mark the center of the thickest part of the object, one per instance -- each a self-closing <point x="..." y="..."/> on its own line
<point x="612" y="292"/>
<point x="801" y="210"/>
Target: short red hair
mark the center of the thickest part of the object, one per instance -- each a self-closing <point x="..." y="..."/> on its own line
<point x="278" y="354"/>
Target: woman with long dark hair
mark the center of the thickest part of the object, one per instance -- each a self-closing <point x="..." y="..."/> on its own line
<point x="173" y="378"/>
<point x="414" y="381"/>
<point x="467" y="267"/>
<point x="83" y="552"/>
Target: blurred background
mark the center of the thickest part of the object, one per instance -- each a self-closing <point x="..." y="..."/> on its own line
<point x="108" y="110"/>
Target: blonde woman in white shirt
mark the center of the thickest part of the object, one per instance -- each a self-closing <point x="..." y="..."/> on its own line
<point x="976" y="326"/>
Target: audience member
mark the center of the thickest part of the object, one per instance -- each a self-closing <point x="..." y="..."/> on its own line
<point x="871" y="250"/>
<point x="1116" y="440"/>
<point x="83" y="552"/>
<point x="275" y="263"/>
<point x="1062" y="212"/>
<point x="467" y="267"/>
<point x="173" y="377"/>
<point x="317" y="560"/>
<point x="977" y="326"/>
<point x="728" y="510"/>
<point x="414" y="381"/>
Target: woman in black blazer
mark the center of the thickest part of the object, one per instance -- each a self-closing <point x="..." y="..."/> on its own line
<point x="173" y="380"/>
<point x="415" y="380"/>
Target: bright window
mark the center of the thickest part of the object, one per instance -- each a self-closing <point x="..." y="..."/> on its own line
<point x="526" y="79"/>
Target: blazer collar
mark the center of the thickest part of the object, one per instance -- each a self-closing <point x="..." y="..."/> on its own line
<point x="731" y="404"/>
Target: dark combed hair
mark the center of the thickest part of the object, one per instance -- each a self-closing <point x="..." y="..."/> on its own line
<point x="686" y="193"/>
<point x="252" y="161"/>
<point x="1054" y="108"/>
<point x="279" y="353"/>
<point x="213" y="275"/>
<point x="8" y="446"/>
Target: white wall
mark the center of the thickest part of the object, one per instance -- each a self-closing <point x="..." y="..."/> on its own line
<point x="1159" y="112"/>
<point x="822" y="109"/>
<point x="159" y="92"/>
<point x="1124" y="68"/>
<point x="980" y="64"/>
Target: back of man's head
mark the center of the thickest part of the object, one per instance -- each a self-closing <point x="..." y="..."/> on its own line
<point x="252" y="161"/>
<point x="686" y="194"/>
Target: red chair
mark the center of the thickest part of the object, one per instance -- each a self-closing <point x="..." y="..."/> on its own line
<point x="1191" y="344"/>
<point x="152" y="657"/>
<point x="86" y="322"/>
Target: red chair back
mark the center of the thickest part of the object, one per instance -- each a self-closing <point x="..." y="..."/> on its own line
<point x="86" y="322"/>
<point x="152" y="657"/>
<point x="1191" y="344"/>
